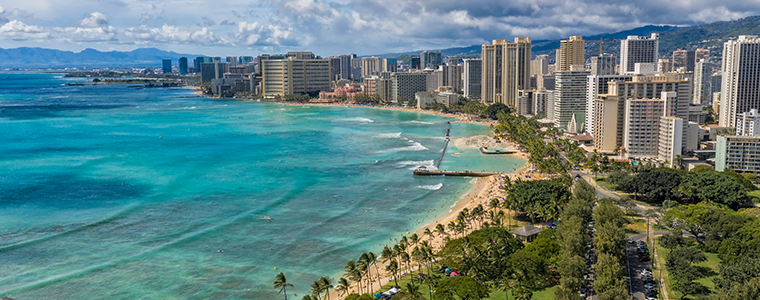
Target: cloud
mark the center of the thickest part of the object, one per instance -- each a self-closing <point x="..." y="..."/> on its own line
<point x="171" y="34"/>
<point x="95" y="20"/>
<point x="18" y="31"/>
<point x="208" y="22"/>
<point x="228" y="23"/>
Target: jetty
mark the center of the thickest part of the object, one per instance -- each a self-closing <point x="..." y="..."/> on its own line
<point x="485" y="150"/>
<point x="448" y="139"/>
<point x="425" y="172"/>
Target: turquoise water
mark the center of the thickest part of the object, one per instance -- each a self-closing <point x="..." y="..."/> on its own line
<point x="108" y="192"/>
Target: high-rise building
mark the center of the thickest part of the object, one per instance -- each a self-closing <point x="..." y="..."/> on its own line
<point x="334" y="68"/>
<point x="683" y="59"/>
<point x="415" y="62"/>
<point x="345" y="66"/>
<point x="636" y="49"/>
<point x="430" y="59"/>
<point x="404" y="86"/>
<point x="570" y="94"/>
<point x="167" y="65"/>
<point x="506" y="69"/>
<point x="748" y="123"/>
<point x="212" y="70"/>
<point x="543" y="104"/>
<point x="378" y="86"/>
<point x="301" y="55"/>
<point x="201" y="60"/>
<point x="640" y="102"/>
<point x="664" y="65"/>
<point x="182" y="65"/>
<point x="294" y="76"/>
<point x="389" y="65"/>
<point x="702" y="81"/>
<point x="701" y="54"/>
<point x="473" y="69"/>
<point x="599" y="85"/>
<point x="539" y="66"/>
<point x="669" y="145"/>
<point x="603" y="65"/>
<point x="740" y="90"/>
<point x="571" y="53"/>
<point x="231" y="61"/>
<point x="737" y="153"/>
<point x="450" y="75"/>
<point x="607" y="129"/>
<point x="371" y="66"/>
<point x="244" y="60"/>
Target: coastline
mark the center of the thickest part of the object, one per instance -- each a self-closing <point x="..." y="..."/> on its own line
<point x="460" y="118"/>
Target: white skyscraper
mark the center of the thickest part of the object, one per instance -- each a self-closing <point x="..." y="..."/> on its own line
<point x="741" y="79"/>
<point x="636" y="49"/>
<point x="570" y="95"/>
<point x="598" y="85"/>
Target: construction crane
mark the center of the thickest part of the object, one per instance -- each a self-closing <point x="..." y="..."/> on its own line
<point x="601" y="42"/>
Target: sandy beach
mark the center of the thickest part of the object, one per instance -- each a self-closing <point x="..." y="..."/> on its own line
<point x="460" y="118"/>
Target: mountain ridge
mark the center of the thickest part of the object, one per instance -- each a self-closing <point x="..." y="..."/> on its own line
<point x="37" y="57"/>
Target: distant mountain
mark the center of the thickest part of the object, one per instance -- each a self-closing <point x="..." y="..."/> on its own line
<point x="711" y="36"/>
<point x="49" y="58"/>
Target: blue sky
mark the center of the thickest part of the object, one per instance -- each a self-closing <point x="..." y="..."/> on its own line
<point x="331" y="27"/>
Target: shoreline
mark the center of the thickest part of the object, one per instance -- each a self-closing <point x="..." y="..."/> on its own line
<point x="459" y="118"/>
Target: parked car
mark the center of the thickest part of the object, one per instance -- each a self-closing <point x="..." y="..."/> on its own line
<point x="630" y="240"/>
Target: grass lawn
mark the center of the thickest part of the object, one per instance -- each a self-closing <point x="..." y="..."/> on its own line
<point x="545" y="294"/>
<point x="712" y="262"/>
<point x="635" y="225"/>
<point x="755" y="196"/>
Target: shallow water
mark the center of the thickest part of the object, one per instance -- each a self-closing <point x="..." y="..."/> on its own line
<point x="112" y="192"/>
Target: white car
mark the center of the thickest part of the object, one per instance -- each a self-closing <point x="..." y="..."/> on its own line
<point x="651" y="298"/>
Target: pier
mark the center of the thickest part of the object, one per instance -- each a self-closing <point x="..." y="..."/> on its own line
<point x="446" y="146"/>
<point x="423" y="172"/>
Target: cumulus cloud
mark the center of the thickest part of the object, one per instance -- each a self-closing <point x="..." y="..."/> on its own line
<point x="18" y="31"/>
<point x="341" y="26"/>
<point x="171" y="34"/>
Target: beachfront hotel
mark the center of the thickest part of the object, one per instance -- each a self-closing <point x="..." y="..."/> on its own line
<point x="294" y="76"/>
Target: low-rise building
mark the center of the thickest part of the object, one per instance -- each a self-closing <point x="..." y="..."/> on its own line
<point x="738" y="153"/>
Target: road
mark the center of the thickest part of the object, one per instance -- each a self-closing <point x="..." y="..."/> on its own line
<point x="634" y="268"/>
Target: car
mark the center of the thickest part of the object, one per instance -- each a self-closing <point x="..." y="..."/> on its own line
<point x="646" y="273"/>
<point x="647" y="280"/>
<point x="652" y="294"/>
<point x="630" y="240"/>
<point x="650" y="286"/>
<point x="650" y="298"/>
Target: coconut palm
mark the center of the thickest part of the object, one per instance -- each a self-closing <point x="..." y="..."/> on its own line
<point x="343" y="286"/>
<point x="372" y="259"/>
<point x="363" y="267"/>
<point x="440" y="229"/>
<point x="282" y="284"/>
<point x="317" y="288"/>
<point x="326" y="284"/>
<point x="427" y="232"/>
<point x="349" y="271"/>
<point x="393" y="268"/>
<point x="414" y="239"/>
<point x="414" y="291"/>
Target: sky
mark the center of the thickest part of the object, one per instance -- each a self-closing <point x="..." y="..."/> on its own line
<point x="332" y="27"/>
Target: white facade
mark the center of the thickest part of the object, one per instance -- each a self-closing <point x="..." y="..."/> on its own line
<point x="748" y="123"/>
<point x="741" y="79"/>
<point x="636" y="49"/>
<point x="603" y="65"/>
<point x="570" y="95"/>
<point x="670" y="133"/>
<point x="404" y="86"/>
<point x="598" y="85"/>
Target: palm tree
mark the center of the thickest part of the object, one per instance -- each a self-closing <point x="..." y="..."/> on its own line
<point x="308" y="297"/>
<point x="281" y="283"/>
<point x="427" y="232"/>
<point x="363" y="265"/>
<point x="440" y="229"/>
<point x="414" y="239"/>
<point x="343" y="286"/>
<point x="414" y="291"/>
<point x="349" y="271"/>
<point x="393" y="268"/>
<point x="326" y="284"/>
<point x="372" y="259"/>
<point x="316" y="288"/>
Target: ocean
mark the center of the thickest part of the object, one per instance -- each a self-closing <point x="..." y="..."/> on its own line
<point x="113" y="192"/>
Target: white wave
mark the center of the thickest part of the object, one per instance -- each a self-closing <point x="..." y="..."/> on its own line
<point x="191" y="107"/>
<point x="414" y="147"/>
<point x="434" y="187"/>
<point x="421" y="122"/>
<point x="411" y="164"/>
<point x="390" y="135"/>
<point x="358" y="119"/>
